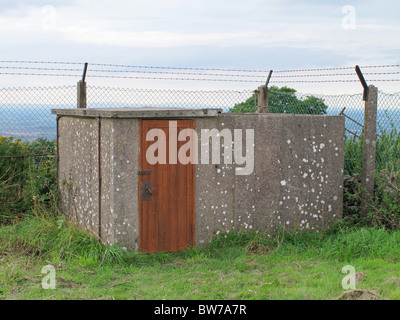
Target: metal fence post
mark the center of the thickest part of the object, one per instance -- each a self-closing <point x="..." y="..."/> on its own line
<point x="369" y="149"/>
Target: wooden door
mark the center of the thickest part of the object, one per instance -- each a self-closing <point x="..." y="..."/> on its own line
<point x="166" y="193"/>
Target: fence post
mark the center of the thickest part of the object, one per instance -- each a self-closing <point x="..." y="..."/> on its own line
<point x="262" y="99"/>
<point x="369" y="149"/>
<point x="263" y="93"/>
<point x="81" y="89"/>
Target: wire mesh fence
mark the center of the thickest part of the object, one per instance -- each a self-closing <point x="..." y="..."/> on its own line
<point x="388" y="129"/>
<point x="25" y="112"/>
<point x="103" y="97"/>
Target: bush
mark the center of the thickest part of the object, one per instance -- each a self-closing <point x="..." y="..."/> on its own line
<point x="284" y="100"/>
<point x="385" y="210"/>
<point x="353" y="150"/>
<point x="25" y="181"/>
<point x="387" y="151"/>
<point x="352" y="198"/>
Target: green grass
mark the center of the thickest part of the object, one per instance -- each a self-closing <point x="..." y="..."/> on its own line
<point x="387" y="152"/>
<point x="233" y="266"/>
<point x="55" y="238"/>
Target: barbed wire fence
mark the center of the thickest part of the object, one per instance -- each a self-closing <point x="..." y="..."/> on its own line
<point x="25" y="112"/>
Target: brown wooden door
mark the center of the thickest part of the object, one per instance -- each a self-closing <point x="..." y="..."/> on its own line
<point x="166" y="194"/>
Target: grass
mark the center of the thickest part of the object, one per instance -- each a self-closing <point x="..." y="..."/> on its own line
<point x="387" y="152"/>
<point x="233" y="266"/>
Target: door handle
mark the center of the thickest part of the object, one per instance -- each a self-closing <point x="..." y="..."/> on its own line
<point x="147" y="191"/>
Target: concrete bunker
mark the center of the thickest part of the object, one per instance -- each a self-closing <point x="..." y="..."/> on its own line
<point x="111" y="187"/>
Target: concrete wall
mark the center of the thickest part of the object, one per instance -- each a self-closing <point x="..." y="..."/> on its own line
<point x="78" y="173"/>
<point x="119" y="165"/>
<point x="122" y="179"/>
<point x="296" y="183"/>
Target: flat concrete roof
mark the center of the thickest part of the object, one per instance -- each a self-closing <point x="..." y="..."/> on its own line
<point x="143" y="112"/>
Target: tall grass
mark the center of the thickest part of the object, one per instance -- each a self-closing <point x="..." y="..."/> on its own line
<point x="387" y="152"/>
<point x="342" y="244"/>
<point x="50" y="239"/>
<point x="51" y="236"/>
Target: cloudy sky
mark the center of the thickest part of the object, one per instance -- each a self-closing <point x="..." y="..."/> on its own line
<point x="253" y="34"/>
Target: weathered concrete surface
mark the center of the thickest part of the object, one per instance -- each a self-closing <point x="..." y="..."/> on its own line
<point x="122" y="164"/>
<point x="78" y="171"/>
<point x="138" y="113"/>
<point x="296" y="183"/>
<point x="118" y="220"/>
<point x="369" y="150"/>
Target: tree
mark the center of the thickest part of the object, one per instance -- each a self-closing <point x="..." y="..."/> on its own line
<point x="284" y="100"/>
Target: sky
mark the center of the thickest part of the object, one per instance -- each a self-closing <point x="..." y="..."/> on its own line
<point x="252" y="34"/>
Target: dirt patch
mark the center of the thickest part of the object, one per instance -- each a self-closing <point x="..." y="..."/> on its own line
<point x="256" y="272"/>
<point x="359" y="295"/>
<point x="63" y="283"/>
<point x="251" y="263"/>
<point x="393" y="280"/>
<point x="256" y="247"/>
<point x="358" y="277"/>
<point x="174" y="264"/>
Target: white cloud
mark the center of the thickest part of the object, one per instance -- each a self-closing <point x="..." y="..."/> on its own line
<point x="141" y="26"/>
<point x="169" y="24"/>
<point x="156" y="39"/>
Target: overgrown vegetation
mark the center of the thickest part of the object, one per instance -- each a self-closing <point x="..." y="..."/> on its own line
<point x="25" y="182"/>
<point x="387" y="152"/>
<point x="50" y="236"/>
<point x="234" y="266"/>
<point x="385" y="207"/>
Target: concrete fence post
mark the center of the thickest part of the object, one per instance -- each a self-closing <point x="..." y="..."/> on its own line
<point x="81" y="94"/>
<point x="369" y="149"/>
<point x="262" y="92"/>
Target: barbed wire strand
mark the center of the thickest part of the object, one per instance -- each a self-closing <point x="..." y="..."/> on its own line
<point x="197" y="74"/>
<point x="202" y="69"/>
<point x="192" y="79"/>
<point x="134" y="71"/>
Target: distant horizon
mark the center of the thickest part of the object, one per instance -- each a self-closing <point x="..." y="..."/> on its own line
<point x="19" y="123"/>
